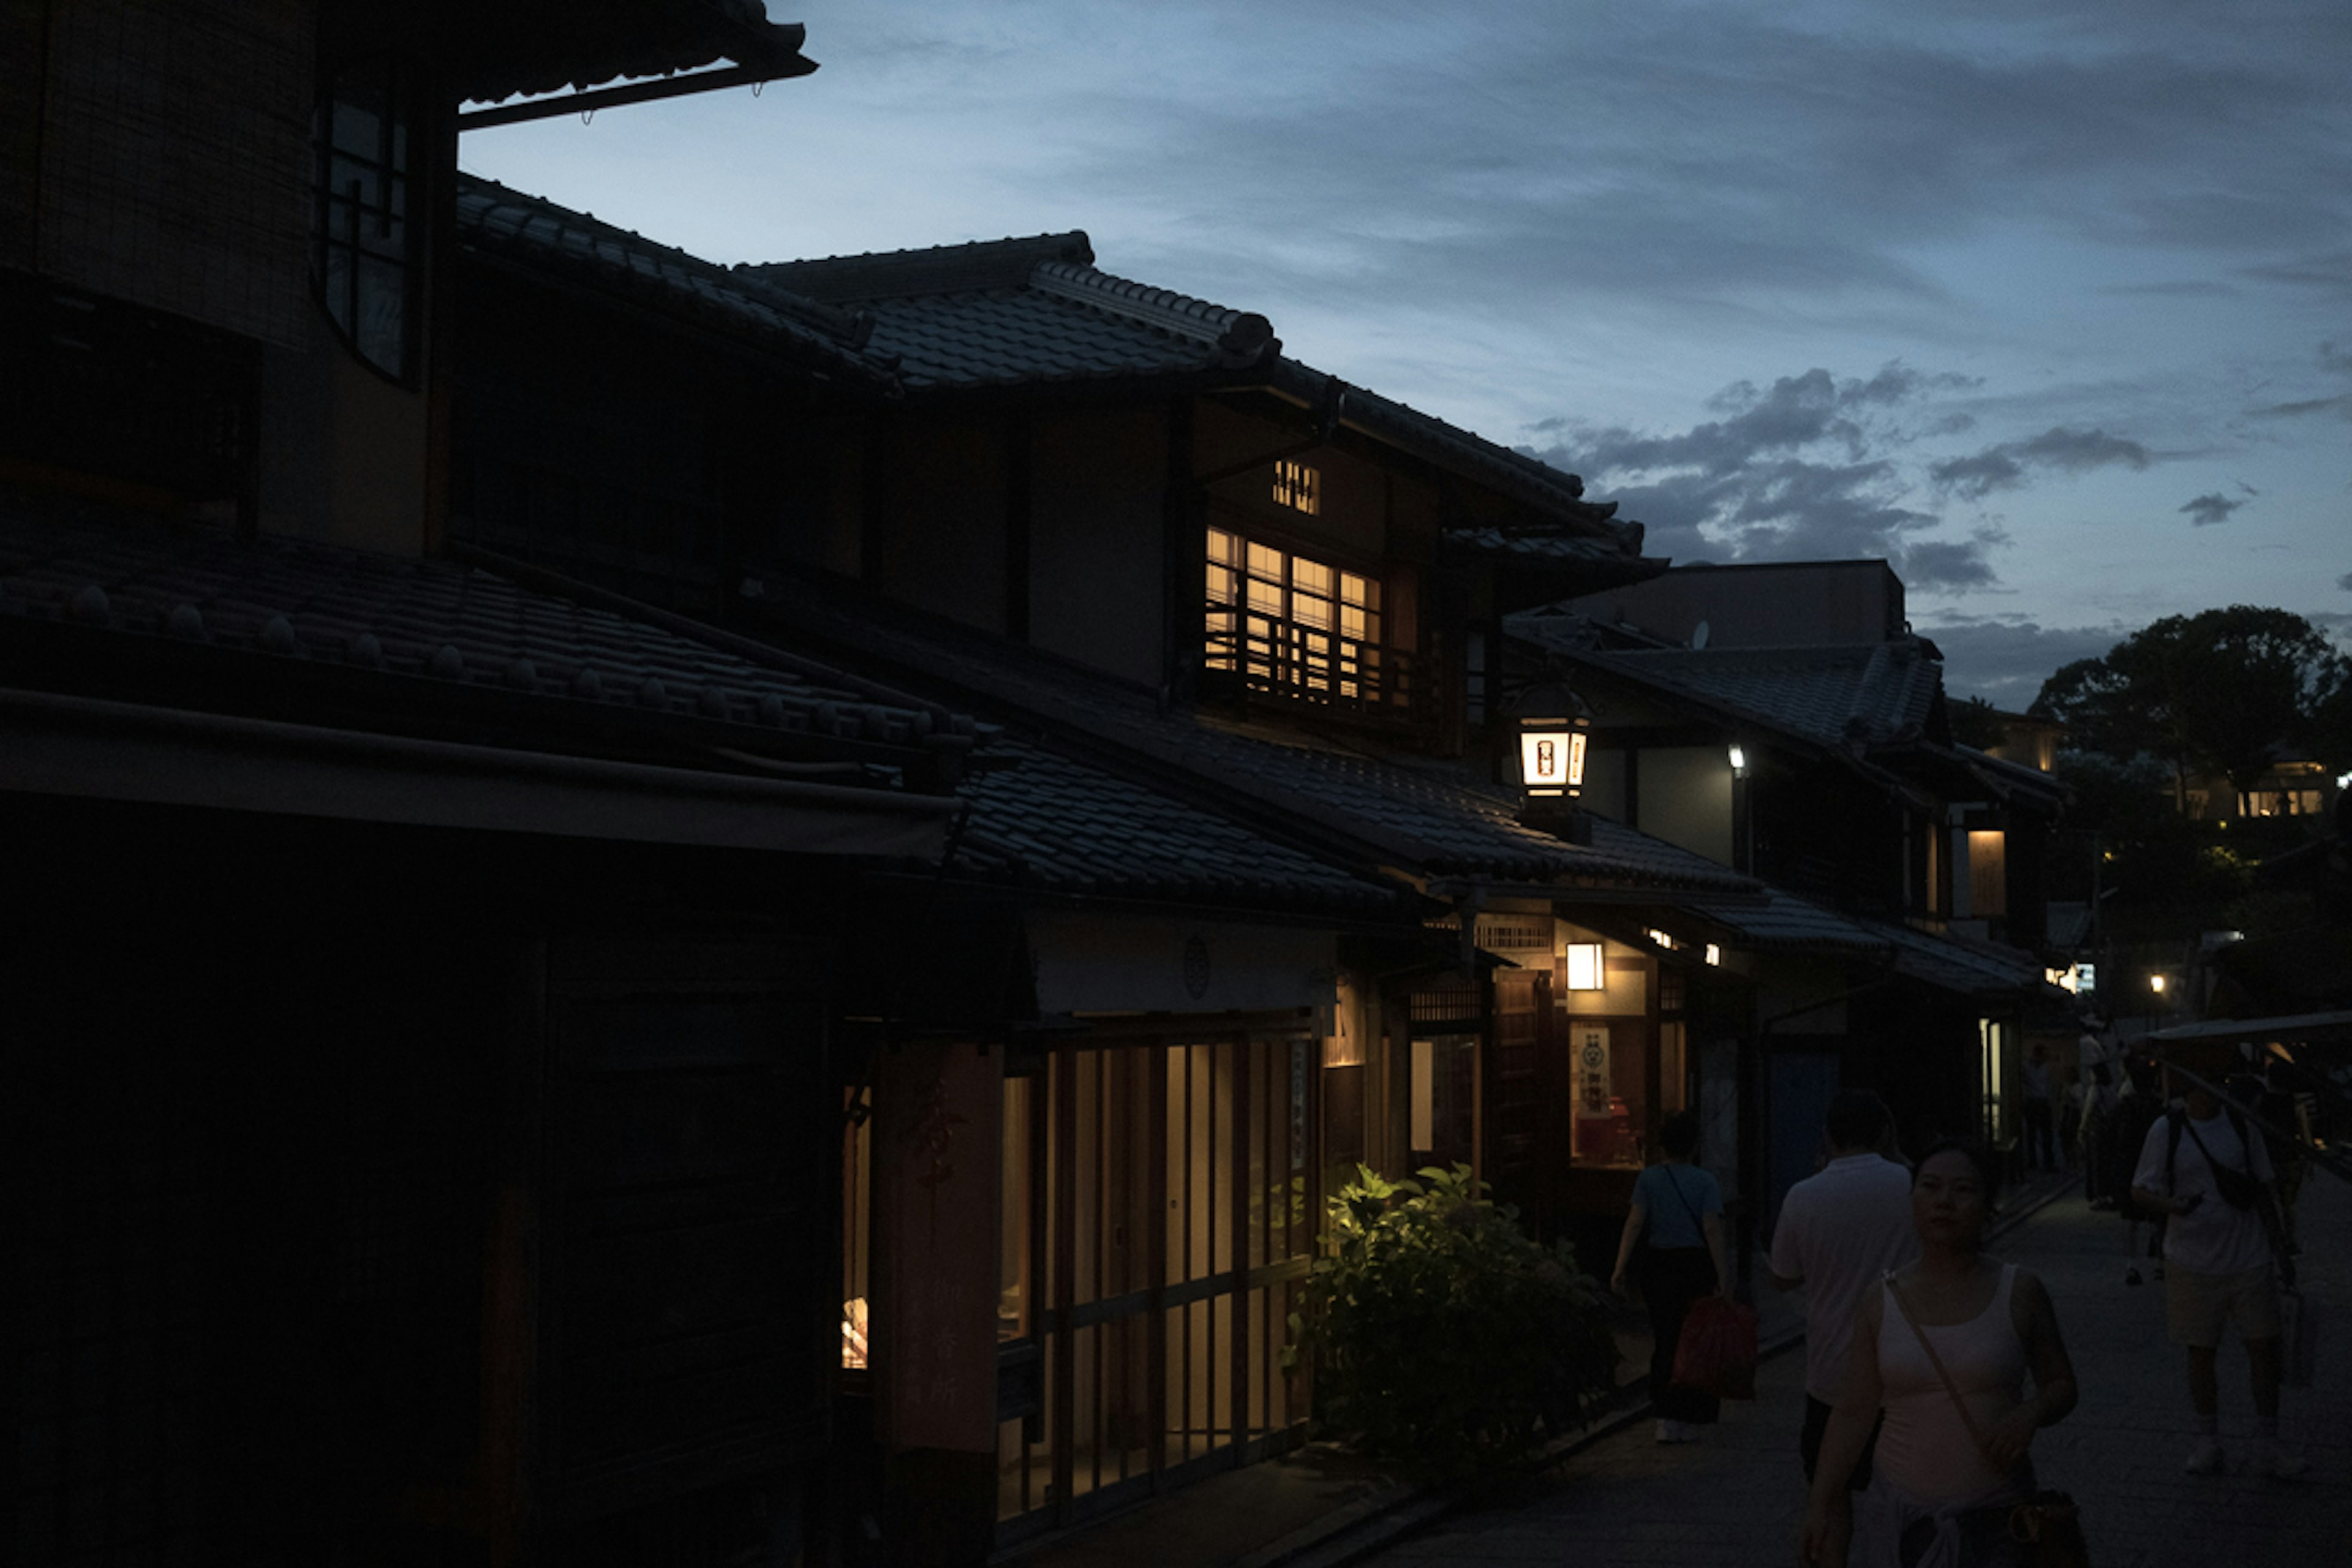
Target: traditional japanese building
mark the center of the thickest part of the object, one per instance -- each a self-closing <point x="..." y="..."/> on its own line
<point x="429" y="991"/>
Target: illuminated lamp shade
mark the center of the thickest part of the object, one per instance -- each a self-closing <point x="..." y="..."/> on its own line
<point x="1554" y="730"/>
<point x="1584" y="970"/>
<point x="2156" y="984"/>
<point x="1714" y="954"/>
<point x="1552" y="755"/>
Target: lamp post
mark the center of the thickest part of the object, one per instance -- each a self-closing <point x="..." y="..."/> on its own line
<point x="1555" y="731"/>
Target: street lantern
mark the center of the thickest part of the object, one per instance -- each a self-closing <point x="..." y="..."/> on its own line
<point x="1555" y="728"/>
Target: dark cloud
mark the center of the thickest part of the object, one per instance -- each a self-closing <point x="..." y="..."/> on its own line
<point x="2328" y="275"/>
<point x="2208" y="510"/>
<point x="2334" y="361"/>
<point x="2008" y="465"/>
<point x="2340" y="405"/>
<point x="1798" y="469"/>
<point x="2345" y="581"/>
<point x="2006" y="661"/>
<point x="1722" y="162"/>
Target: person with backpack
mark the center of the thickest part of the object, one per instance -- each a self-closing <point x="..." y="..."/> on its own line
<point x="2201" y="1167"/>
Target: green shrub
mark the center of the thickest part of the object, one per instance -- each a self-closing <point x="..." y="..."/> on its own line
<point x="1444" y="1339"/>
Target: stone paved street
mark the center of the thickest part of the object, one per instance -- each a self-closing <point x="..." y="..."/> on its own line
<point x="1736" y="1498"/>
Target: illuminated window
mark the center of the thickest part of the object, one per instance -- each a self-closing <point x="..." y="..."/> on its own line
<point x="1987" y="873"/>
<point x="2279" y="802"/>
<point x="1296" y="486"/>
<point x="1288" y="623"/>
<point x="1714" y="953"/>
<point x="1584" y="967"/>
<point x="367" y="261"/>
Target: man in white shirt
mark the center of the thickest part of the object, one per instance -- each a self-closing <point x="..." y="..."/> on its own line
<point x="1840" y="1232"/>
<point x="2218" y="1265"/>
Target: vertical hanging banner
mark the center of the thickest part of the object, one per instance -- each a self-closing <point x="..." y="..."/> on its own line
<point x="938" y="1116"/>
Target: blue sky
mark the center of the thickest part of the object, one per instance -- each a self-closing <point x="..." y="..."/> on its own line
<point x="2048" y="302"/>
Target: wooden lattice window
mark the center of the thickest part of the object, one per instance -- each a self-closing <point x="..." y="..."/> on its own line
<point x="1297" y="487"/>
<point x="367" y="259"/>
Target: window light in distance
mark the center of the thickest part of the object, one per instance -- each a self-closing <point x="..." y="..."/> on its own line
<point x="1662" y="938"/>
<point x="1714" y="954"/>
<point x="2156" y="984"/>
<point x="1738" y="762"/>
<point x="1584" y="970"/>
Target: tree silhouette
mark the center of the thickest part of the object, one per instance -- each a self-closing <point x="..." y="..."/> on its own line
<point x="2226" y="691"/>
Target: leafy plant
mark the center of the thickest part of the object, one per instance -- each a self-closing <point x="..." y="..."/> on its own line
<point x="1443" y="1337"/>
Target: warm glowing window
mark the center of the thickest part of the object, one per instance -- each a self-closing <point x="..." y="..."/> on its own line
<point x="2279" y="802"/>
<point x="1297" y="487"/>
<point x="1288" y="622"/>
<point x="1987" y="873"/>
<point x="1584" y="967"/>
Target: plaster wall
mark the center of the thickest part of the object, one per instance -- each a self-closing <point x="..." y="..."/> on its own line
<point x="938" y="540"/>
<point x="1687" y="798"/>
<point x="345" y="451"/>
<point x="1096" y="522"/>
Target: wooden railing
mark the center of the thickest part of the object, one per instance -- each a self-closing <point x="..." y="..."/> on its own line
<point x="1265" y="657"/>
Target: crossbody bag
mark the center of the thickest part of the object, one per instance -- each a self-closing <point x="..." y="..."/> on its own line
<point x="2047" y="1526"/>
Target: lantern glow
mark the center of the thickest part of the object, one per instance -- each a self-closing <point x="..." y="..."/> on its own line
<point x="1551" y="756"/>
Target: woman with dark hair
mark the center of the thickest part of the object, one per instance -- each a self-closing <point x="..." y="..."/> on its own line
<point x="1944" y="1348"/>
<point x="1682" y="1259"/>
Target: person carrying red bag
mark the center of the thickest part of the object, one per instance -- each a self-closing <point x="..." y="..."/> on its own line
<point x="1677" y="1219"/>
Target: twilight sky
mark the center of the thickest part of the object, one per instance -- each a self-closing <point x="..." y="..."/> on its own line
<point x="2047" y="301"/>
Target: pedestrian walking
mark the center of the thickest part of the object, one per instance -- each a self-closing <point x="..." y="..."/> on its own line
<point x="1839" y="1234"/>
<point x="1677" y="1224"/>
<point x="2141" y="1101"/>
<point x="2200" y="1166"/>
<point x="2099" y="1064"/>
<point x="2040" y="1118"/>
<point x="1941" y="1353"/>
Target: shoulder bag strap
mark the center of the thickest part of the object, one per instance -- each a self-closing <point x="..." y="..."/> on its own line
<point x="1967" y="1420"/>
<point x="1696" y="1223"/>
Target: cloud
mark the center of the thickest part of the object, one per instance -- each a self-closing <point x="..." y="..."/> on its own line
<point x="2008" y="466"/>
<point x="1801" y="469"/>
<point x="2208" y="510"/>
<point x="2345" y="581"/>
<point x="2334" y="361"/>
<point x="2006" y="660"/>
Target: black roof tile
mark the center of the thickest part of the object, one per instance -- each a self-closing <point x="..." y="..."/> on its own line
<point x="1425" y="816"/>
<point x="442" y="622"/>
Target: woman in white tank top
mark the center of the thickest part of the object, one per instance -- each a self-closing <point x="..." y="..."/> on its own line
<point x="1939" y="1498"/>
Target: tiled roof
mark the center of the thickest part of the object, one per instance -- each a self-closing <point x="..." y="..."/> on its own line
<point x="2007" y="779"/>
<point x="500" y="224"/>
<point x="1020" y="311"/>
<point x="1786" y="923"/>
<point x="426" y="624"/>
<point x="1428" y="817"/>
<point x="542" y="46"/>
<point x="1023" y="311"/>
<point x="1950" y="964"/>
<point x="1789" y="924"/>
<point x="1059" y="823"/>
<point x="1864" y="694"/>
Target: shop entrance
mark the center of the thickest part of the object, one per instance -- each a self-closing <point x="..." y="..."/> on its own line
<point x="1165" y="1215"/>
